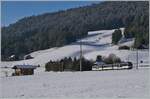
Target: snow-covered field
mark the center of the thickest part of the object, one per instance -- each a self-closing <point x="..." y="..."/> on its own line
<point x="89" y="84"/>
<point x="96" y="43"/>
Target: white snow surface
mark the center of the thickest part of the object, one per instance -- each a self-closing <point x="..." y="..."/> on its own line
<point x="89" y="84"/>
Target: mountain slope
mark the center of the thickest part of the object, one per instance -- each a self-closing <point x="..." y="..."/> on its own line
<point x="64" y="27"/>
<point x="93" y="45"/>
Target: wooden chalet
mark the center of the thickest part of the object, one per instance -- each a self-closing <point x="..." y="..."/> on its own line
<point x="23" y="70"/>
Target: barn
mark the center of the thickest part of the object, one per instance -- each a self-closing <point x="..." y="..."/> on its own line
<point x="23" y="70"/>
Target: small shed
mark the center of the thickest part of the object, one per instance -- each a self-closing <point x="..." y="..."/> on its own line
<point x="23" y="70"/>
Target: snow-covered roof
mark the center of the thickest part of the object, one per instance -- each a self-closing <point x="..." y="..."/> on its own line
<point x="24" y="66"/>
<point x="99" y="62"/>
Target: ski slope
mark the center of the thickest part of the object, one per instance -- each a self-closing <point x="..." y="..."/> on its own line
<point x="89" y="84"/>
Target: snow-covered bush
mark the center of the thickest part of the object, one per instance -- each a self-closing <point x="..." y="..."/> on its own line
<point x="111" y="59"/>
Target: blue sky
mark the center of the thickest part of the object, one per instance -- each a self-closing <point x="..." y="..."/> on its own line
<point x="11" y="11"/>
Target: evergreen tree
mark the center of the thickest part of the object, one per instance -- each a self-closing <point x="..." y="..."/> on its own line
<point x="116" y="36"/>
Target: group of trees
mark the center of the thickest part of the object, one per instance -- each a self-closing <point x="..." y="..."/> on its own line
<point x="63" y="27"/>
<point x="69" y="64"/>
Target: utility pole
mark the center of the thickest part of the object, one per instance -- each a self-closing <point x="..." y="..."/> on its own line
<point x="137" y="58"/>
<point x="80" y="55"/>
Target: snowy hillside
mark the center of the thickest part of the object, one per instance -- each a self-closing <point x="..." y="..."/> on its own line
<point x="90" y="84"/>
<point x="91" y="43"/>
<point x="96" y="43"/>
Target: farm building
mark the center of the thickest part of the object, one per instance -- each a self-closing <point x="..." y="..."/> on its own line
<point x="23" y="70"/>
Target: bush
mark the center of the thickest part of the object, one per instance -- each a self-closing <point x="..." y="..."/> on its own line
<point x="124" y="47"/>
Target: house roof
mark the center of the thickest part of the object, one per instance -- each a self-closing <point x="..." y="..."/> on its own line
<point x="99" y="62"/>
<point x="24" y="66"/>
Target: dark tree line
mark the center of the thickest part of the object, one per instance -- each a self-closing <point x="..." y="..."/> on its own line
<point x="139" y="29"/>
<point x="63" y="27"/>
<point x="68" y="64"/>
